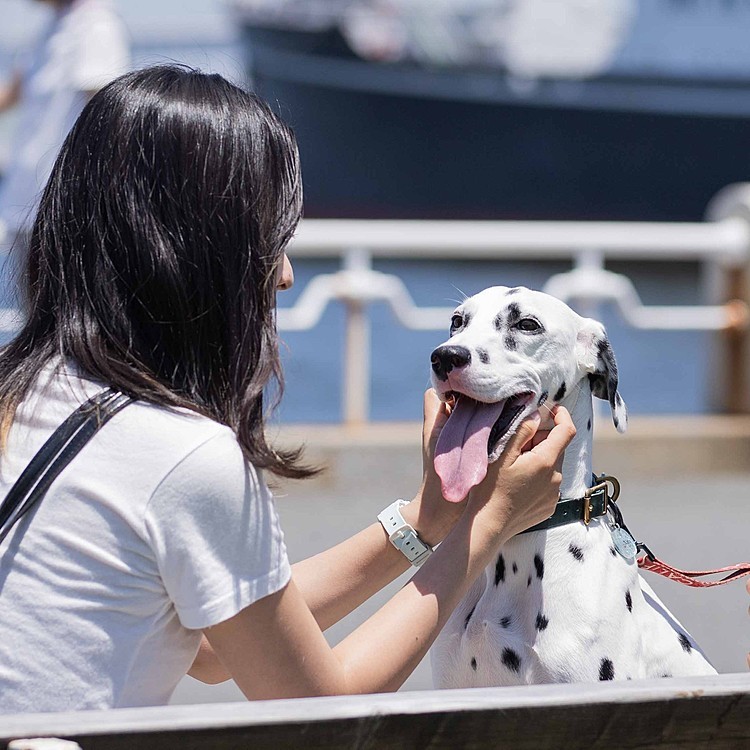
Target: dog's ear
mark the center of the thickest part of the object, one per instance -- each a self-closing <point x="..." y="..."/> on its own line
<point x="596" y="359"/>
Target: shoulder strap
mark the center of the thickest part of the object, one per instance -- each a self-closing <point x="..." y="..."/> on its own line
<point x="59" y="450"/>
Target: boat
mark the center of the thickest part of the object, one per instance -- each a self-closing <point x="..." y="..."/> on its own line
<point x="508" y="109"/>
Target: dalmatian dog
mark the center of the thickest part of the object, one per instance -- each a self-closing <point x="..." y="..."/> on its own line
<point x="560" y="604"/>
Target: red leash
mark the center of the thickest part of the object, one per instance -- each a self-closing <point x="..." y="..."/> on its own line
<point x="625" y="544"/>
<point x="688" y="577"/>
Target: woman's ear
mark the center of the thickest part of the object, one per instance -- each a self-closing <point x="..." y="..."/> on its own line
<point x="596" y="358"/>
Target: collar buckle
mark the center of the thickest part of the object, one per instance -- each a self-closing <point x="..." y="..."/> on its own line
<point x="602" y="485"/>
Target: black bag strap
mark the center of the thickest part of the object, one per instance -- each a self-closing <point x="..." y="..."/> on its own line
<point x="59" y="450"/>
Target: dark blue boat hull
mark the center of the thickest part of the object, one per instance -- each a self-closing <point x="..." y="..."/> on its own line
<point x="384" y="141"/>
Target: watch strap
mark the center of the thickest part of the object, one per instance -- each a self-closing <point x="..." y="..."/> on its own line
<point x="402" y="535"/>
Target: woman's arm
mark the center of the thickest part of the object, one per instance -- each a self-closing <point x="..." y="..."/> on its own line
<point x="335" y="582"/>
<point x="274" y="648"/>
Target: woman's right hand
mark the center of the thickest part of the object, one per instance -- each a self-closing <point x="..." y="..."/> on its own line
<point x="522" y="487"/>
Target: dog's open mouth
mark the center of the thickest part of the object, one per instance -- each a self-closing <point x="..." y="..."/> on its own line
<point x="474" y="435"/>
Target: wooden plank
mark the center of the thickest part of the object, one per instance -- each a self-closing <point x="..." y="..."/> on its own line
<point x="711" y="712"/>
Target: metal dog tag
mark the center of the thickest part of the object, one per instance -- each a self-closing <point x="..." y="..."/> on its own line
<point x="624" y="543"/>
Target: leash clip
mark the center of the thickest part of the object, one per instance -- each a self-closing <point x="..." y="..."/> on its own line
<point x="604" y="481"/>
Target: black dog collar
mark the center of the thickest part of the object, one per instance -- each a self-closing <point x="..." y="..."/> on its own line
<point x="593" y="504"/>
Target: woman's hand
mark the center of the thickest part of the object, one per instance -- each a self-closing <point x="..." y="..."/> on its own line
<point x="429" y="513"/>
<point x="522" y="487"/>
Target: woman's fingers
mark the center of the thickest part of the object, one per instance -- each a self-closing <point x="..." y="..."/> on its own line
<point x="552" y="448"/>
<point x="431" y="409"/>
<point x="523" y="436"/>
<point x="435" y="415"/>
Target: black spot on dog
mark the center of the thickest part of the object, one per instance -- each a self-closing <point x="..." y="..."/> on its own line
<point x="506" y="621"/>
<point x="616" y="421"/>
<point x="606" y="670"/>
<point x="484" y="357"/>
<point x="613" y="552"/>
<point x="666" y="675"/>
<point x="539" y="565"/>
<point x="685" y="643"/>
<point x="514" y="313"/>
<point x="514" y="290"/>
<point x="576" y="551"/>
<point x="628" y="601"/>
<point x="560" y="395"/>
<point x="474" y="663"/>
<point x="515" y="568"/>
<point x="499" y="321"/>
<point x="468" y="617"/>
<point x="541" y="622"/>
<point x="511" y="660"/>
<point x="510" y="343"/>
<point x="499" y="570"/>
<point x="588" y="426"/>
<point x="542" y="398"/>
<point x="528" y="582"/>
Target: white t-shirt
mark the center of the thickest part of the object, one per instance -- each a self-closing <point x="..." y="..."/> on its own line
<point x="156" y="529"/>
<point x="84" y="47"/>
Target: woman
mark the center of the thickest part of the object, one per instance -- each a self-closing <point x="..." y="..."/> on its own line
<point x="153" y="267"/>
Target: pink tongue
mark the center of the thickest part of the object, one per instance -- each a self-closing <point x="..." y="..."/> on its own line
<point x="461" y="452"/>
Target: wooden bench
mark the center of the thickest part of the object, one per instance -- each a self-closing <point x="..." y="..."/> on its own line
<point x="712" y="713"/>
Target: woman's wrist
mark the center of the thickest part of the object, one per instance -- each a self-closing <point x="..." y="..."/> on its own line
<point x="431" y="515"/>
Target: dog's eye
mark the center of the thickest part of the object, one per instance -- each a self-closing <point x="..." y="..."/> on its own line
<point x="528" y="324"/>
<point x="456" y="322"/>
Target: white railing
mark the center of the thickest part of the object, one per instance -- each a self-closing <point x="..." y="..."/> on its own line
<point x="721" y="243"/>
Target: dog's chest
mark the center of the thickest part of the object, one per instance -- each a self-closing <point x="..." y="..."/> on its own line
<point x="553" y="607"/>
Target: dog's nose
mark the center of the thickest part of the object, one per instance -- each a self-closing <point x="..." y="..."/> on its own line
<point x="445" y="358"/>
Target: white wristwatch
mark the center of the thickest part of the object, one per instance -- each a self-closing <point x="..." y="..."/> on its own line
<point x="402" y="535"/>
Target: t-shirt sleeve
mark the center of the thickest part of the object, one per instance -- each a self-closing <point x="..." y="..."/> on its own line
<point x="215" y="533"/>
<point x="103" y="51"/>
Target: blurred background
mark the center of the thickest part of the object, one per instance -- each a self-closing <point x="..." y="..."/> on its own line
<point x="478" y="109"/>
<point x="490" y="113"/>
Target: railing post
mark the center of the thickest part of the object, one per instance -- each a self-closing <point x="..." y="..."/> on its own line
<point x="730" y="379"/>
<point x="356" y="396"/>
<point x="356" y="365"/>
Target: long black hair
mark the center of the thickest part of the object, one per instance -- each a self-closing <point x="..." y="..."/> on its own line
<point x="154" y="256"/>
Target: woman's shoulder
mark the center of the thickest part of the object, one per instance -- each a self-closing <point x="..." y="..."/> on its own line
<point x="180" y="430"/>
<point x="148" y="433"/>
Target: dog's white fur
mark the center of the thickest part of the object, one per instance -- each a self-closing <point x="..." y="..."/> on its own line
<point x="559" y="605"/>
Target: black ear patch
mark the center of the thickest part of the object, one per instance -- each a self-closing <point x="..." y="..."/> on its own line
<point x="604" y="383"/>
<point x="604" y="380"/>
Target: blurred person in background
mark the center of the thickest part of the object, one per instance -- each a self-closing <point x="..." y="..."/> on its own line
<point x="83" y="47"/>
